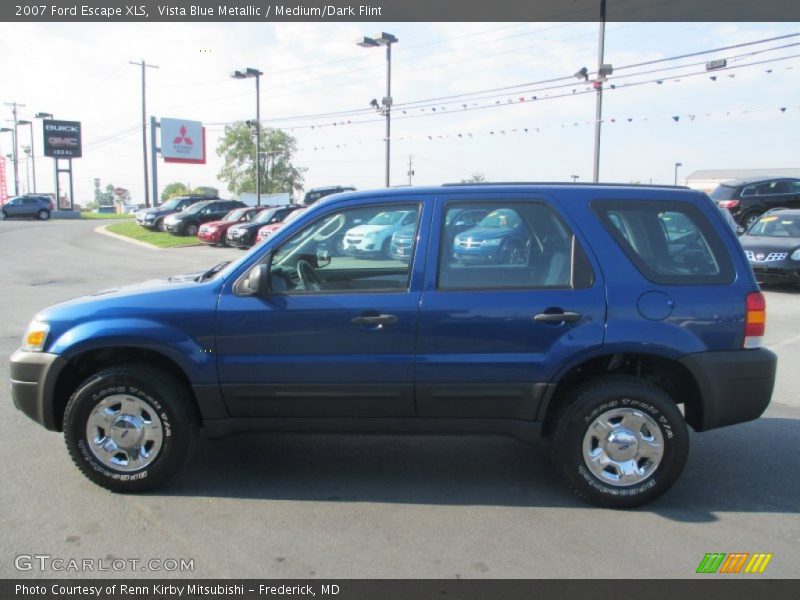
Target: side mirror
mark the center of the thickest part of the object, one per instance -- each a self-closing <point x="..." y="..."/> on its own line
<point x="323" y="258"/>
<point x="740" y="230"/>
<point x="255" y="284"/>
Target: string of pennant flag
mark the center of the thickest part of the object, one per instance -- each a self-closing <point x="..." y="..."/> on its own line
<point x="534" y="129"/>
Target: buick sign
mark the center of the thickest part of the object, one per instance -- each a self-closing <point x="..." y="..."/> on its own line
<point x="62" y="139"/>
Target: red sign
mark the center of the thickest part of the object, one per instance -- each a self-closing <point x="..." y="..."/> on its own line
<point x="3" y="193"/>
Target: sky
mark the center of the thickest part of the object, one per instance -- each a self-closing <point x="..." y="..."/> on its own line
<point x="81" y="72"/>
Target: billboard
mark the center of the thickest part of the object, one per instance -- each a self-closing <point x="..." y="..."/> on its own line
<point x="62" y="139"/>
<point x="183" y="141"/>
<point x="3" y="193"/>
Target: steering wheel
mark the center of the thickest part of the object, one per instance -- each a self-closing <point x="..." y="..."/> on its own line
<point x="308" y="276"/>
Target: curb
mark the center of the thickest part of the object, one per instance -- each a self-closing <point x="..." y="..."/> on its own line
<point x="102" y="229"/>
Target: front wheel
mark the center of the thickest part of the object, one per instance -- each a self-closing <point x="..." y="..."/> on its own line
<point x="161" y="226"/>
<point x="750" y="218"/>
<point x="619" y="442"/>
<point x="190" y="230"/>
<point x="43" y="215"/>
<point x="130" y="428"/>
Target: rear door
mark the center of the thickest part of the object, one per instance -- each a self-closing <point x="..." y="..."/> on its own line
<point x="505" y="304"/>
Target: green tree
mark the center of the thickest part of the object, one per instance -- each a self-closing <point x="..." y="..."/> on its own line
<point x="475" y="178"/>
<point x="176" y="188"/>
<point x="205" y="190"/>
<point x="278" y="173"/>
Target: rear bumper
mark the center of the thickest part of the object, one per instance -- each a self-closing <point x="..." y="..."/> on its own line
<point x="735" y="386"/>
<point x="33" y="379"/>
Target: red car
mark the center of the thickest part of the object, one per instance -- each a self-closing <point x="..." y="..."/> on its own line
<point x="268" y="230"/>
<point x="213" y="233"/>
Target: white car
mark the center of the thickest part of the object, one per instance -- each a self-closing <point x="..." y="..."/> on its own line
<point x="373" y="238"/>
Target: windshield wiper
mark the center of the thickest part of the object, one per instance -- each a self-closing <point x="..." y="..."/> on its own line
<point x="213" y="271"/>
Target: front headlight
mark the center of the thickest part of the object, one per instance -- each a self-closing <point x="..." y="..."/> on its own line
<point x="35" y="336"/>
<point x="494" y="242"/>
<point x="795" y="255"/>
<point x="149" y="217"/>
<point x="370" y="237"/>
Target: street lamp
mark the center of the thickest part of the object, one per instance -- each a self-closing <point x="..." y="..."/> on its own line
<point x="677" y="164"/>
<point x="248" y="73"/>
<point x="574" y="178"/>
<point x="384" y="39"/>
<point x="32" y="154"/>
<point x="13" y="132"/>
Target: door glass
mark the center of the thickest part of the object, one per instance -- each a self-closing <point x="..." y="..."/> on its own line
<point x="356" y="250"/>
<point x="497" y="245"/>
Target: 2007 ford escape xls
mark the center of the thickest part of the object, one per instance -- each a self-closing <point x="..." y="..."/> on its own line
<point x="604" y="318"/>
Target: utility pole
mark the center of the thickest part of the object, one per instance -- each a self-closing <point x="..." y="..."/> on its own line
<point x="598" y="115"/>
<point x="14" y="106"/>
<point x="144" y="66"/>
<point x="410" y="168"/>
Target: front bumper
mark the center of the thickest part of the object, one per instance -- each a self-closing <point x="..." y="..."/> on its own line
<point x="33" y="381"/>
<point x="211" y="238"/>
<point x="174" y="228"/>
<point x="785" y="271"/>
<point x="735" y="386"/>
<point x="240" y="242"/>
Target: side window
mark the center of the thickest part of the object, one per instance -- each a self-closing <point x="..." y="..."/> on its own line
<point x="347" y="251"/>
<point x="793" y="187"/>
<point x="770" y="188"/>
<point x="668" y="242"/>
<point x="495" y="245"/>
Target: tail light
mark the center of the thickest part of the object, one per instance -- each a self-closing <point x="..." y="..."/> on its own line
<point x="728" y="203"/>
<point x="755" y="320"/>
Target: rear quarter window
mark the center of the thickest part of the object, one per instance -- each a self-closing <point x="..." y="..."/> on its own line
<point x="668" y="242"/>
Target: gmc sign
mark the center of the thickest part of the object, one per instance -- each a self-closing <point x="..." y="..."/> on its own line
<point x="62" y="139"/>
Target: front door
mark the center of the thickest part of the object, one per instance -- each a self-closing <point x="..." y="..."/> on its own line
<point x="506" y="303"/>
<point x="334" y="335"/>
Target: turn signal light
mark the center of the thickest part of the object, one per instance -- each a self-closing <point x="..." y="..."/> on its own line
<point x="755" y="320"/>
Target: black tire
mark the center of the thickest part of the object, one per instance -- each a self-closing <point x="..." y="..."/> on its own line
<point x="43" y="214"/>
<point x="385" y="248"/>
<point x="190" y="229"/>
<point x="749" y="218"/>
<point x="514" y="254"/>
<point x="603" y="396"/>
<point x="160" y="225"/>
<point x="156" y="389"/>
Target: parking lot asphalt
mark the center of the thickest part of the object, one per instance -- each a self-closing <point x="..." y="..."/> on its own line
<point x="280" y="506"/>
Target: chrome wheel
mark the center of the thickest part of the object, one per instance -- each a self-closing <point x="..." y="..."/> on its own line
<point x="124" y="433"/>
<point x="623" y="446"/>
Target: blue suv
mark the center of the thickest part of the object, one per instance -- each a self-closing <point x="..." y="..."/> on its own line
<point x="625" y="315"/>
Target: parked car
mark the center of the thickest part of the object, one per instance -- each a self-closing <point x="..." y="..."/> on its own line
<point x="614" y="334"/>
<point x="189" y="220"/>
<point x="501" y="237"/>
<point x="319" y="193"/>
<point x="748" y="199"/>
<point x="267" y="230"/>
<point x="772" y="245"/>
<point x="402" y="245"/>
<point x="39" y="207"/>
<point x="153" y="218"/>
<point x="244" y="235"/>
<point x="213" y="233"/>
<point x="372" y="239"/>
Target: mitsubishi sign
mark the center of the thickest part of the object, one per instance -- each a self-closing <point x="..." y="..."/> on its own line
<point x="183" y="141"/>
<point x="62" y="139"/>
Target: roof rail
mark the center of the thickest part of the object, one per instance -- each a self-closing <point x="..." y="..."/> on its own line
<point x="565" y="183"/>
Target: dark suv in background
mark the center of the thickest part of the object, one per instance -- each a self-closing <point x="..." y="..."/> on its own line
<point x="154" y="218"/>
<point x="318" y="193"/>
<point x="748" y="199"/>
<point x="188" y="221"/>
<point x="39" y="207"/>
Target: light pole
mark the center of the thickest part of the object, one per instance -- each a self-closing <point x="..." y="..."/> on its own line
<point x="384" y="39"/>
<point x="677" y="164"/>
<point x="575" y="178"/>
<point x="32" y="152"/>
<point x="247" y="74"/>
<point x="12" y="131"/>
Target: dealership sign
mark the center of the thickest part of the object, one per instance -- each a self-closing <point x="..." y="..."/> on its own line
<point x="183" y="141"/>
<point x="62" y="139"/>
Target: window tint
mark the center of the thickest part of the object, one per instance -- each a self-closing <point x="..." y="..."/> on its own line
<point x="347" y="251"/>
<point x="669" y="242"/>
<point x="793" y="187"/>
<point x="770" y="187"/>
<point x="496" y="245"/>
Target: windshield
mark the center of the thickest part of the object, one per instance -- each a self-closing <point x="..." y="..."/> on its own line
<point x="196" y="207"/>
<point x="386" y="218"/>
<point x="500" y="219"/>
<point x="777" y="226"/>
<point x="170" y="204"/>
<point x="723" y="192"/>
<point x="235" y="215"/>
<point x="265" y="215"/>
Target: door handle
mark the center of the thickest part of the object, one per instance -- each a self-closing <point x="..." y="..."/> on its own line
<point x="561" y="317"/>
<point x="374" y="320"/>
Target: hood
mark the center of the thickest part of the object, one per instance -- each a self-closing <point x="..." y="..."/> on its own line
<point x="157" y="212"/>
<point x="248" y="226"/>
<point x="219" y="224"/>
<point x="484" y="233"/>
<point x="769" y="244"/>
<point x="365" y="229"/>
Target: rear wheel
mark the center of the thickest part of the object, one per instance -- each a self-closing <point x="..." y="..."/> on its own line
<point x="43" y="214"/>
<point x="619" y="442"/>
<point x="130" y="428"/>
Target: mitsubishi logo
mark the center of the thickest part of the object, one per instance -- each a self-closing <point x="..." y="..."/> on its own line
<point x="182" y="139"/>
